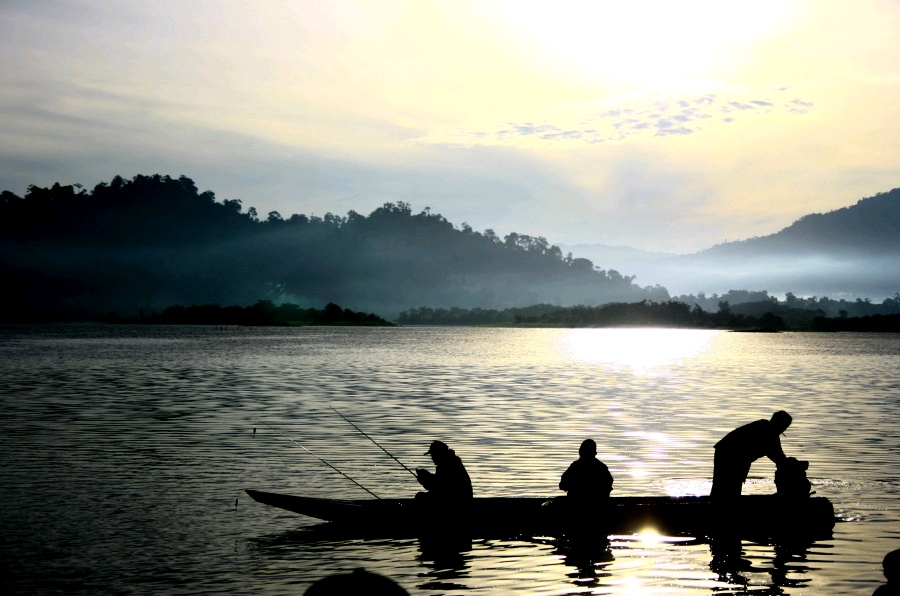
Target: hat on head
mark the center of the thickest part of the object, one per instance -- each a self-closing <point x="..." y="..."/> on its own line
<point x="437" y="447"/>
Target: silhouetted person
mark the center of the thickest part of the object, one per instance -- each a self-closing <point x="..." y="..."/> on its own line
<point x="891" y="566"/>
<point x="587" y="478"/>
<point x="450" y="482"/>
<point x="743" y="446"/>
<point x="359" y="581"/>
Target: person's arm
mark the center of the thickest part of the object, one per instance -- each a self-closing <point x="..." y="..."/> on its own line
<point x="425" y="478"/>
<point x="565" y="483"/>
<point x="775" y="453"/>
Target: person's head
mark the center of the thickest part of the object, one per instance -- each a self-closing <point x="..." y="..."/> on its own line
<point x="891" y="565"/>
<point x="588" y="448"/>
<point x="781" y="420"/>
<point x="438" y="450"/>
<point x="359" y="581"/>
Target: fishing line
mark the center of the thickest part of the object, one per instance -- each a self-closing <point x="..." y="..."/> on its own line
<point x="319" y="458"/>
<point x="374" y="441"/>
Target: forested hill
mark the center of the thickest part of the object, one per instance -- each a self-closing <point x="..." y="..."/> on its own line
<point x="867" y="229"/>
<point x="154" y="241"/>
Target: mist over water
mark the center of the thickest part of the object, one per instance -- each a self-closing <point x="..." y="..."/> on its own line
<point x="124" y="449"/>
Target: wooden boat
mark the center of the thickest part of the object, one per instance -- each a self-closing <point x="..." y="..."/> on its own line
<point x="750" y="516"/>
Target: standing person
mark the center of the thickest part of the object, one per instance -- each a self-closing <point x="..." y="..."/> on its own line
<point x="450" y="482"/>
<point x="743" y="446"/>
<point x="587" y="478"/>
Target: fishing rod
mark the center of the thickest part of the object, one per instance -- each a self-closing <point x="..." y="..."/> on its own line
<point x="318" y="458"/>
<point x="374" y="441"/>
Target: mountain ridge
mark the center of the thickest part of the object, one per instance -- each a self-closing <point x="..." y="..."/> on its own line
<point x="155" y="241"/>
<point x="853" y="250"/>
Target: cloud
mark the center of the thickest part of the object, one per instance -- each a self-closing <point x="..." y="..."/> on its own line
<point x="648" y="115"/>
<point x="798" y="106"/>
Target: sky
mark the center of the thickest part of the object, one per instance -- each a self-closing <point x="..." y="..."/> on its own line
<point x="666" y="126"/>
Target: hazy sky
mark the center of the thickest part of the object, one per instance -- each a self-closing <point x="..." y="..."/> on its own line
<point x="661" y="125"/>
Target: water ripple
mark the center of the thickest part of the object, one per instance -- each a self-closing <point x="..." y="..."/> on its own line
<point x="125" y="451"/>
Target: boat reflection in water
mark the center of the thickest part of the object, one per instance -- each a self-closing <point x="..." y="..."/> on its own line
<point x="640" y="562"/>
<point x="447" y="559"/>
<point x="590" y="556"/>
<point x="787" y="567"/>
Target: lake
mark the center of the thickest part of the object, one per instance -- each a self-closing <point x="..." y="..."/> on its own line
<point x="125" y="452"/>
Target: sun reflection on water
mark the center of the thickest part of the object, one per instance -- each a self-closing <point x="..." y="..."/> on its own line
<point x="639" y="349"/>
<point x="650" y="536"/>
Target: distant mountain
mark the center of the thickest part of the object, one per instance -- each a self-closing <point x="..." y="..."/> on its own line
<point x="849" y="252"/>
<point x="870" y="228"/>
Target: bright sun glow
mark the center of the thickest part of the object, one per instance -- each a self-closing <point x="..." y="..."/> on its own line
<point x="643" y="41"/>
<point x="650" y="537"/>
<point x="639" y="349"/>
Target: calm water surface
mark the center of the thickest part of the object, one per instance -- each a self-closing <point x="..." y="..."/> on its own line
<point x="125" y="451"/>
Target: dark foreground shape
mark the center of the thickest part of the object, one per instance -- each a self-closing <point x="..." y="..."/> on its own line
<point x="750" y="516"/>
<point x="359" y="581"/>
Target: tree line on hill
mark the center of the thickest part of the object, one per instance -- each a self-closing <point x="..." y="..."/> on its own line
<point x="153" y="241"/>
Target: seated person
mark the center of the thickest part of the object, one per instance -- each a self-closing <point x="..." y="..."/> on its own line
<point x="587" y="478"/>
<point x="450" y="481"/>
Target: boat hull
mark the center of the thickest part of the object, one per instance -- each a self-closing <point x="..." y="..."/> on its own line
<point x="750" y="516"/>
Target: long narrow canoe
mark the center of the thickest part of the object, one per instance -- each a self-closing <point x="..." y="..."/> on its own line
<point x="760" y="516"/>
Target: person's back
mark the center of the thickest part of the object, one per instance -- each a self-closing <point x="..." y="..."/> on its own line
<point x="453" y="480"/>
<point x="751" y="441"/>
<point x="587" y="478"/>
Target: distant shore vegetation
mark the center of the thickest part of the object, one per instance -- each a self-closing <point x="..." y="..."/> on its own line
<point x="263" y="313"/>
<point x="749" y="316"/>
<point x="768" y="315"/>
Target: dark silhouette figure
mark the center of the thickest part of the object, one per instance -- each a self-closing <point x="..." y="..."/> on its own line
<point x="450" y="482"/>
<point x="445" y="551"/>
<point x="590" y="555"/>
<point x="587" y="478"/>
<point x="743" y="446"/>
<point x="359" y="581"/>
<point x="891" y="566"/>
<point x="728" y="560"/>
<point x="791" y="480"/>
